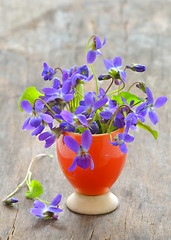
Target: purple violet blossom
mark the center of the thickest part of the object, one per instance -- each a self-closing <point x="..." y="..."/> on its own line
<point x="83" y="159"/>
<point x="89" y="105"/>
<point x="36" y="115"/>
<point x="122" y="138"/>
<point x="61" y="95"/>
<point x="113" y="66"/>
<point x="150" y="107"/>
<point x="48" y="72"/>
<point x="50" y="136"/>
<point x="78" y="120"/>
<point x="95" y="49"/>
<point x="41" y="210"/>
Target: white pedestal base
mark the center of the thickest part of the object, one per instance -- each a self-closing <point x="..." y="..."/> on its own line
<point x="92" y="205"/>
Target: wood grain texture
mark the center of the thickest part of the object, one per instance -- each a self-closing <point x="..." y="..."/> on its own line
<point x="57" y="32"/>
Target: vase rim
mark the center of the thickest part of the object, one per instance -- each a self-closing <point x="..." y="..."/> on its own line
<point x="96" y="135"/>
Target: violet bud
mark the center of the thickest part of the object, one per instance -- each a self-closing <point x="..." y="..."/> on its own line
<point x="136" y="67"/>
<point x="10" y="201"/>
<point x="104" y="77"/>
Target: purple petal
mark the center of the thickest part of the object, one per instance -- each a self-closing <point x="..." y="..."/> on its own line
<point x="123" y="148"/>
<point x="150" y="96"/>
<point x="153" y="116"/>
<point x="26" y="123"/>
<point x="68" y="97"/>
<point x="74" y="165"/>
<point x="98" y="43"/>
<point x="46" y="118"/>
<point x="117" y="62"/>
<point x="122" y="75"/>
<point x="100" y="103"/>
<point x="124" y="100"/>
<point x="39" y="105"/>
<point x="46" y="67"/>
<point x="68" y="116"/>
<point x="121" y="136"/>
<point x="39" y="204"/>
<point x="86" y="140"/>
<point x="72" y="144"/>
<point x="83" y="161"/>
<point x="35" y="121"/>
<point x="38" y="130"/>
<point x="80" y="109"/>
<point x="114" y="143"/>
<point x="37" y="212"/>
<point x="50" y="91"/>
<point x="108" y="63"/>
<point x="26" y="106"/>
<point x="44" y="135"/>
<point x="106" y="115"/>
<point x="91" y="56"/>
<point x="65" y="76"/>
<point x="160" y="102"/>
<point x="56" y="83"/>
<point x="88" y="98"/>
<point x="128" y="138"/>
<point x="66" y="87"/>
<point x="104" y="41"/>
<point x="56" y="200"/>
<point x="92" y="163"/>
<point x="54" y="209"/>
<point x="50" y="141"/>
<point x="140" y="107"/>
<point x="83" y="120"/>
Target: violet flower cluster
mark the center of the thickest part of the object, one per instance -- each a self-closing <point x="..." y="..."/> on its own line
<point x="65" y="107"/>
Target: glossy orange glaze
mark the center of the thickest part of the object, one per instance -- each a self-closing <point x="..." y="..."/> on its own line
<point x="108" y="164"/>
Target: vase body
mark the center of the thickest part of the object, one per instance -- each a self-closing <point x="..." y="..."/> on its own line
<point x="108" y="164"/>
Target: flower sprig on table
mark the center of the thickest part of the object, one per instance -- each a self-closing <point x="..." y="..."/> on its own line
<point x="65" y="107"/>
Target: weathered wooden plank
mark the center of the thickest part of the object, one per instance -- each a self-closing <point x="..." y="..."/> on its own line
<point x="56" y="32"/>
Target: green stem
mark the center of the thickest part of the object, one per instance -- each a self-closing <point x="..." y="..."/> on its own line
<point x="95" y="77"/>
<point x="79" y="93"/>
<point x="26" y="177"/>
<point x="44" y="103"/>
<point x="117" y="91"/>
<point x="132" y="86"/>
<point x="42" y="201"/>
<point x="109" y="86"/>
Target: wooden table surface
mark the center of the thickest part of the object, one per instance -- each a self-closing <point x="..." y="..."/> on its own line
<point x="57" y="31"/>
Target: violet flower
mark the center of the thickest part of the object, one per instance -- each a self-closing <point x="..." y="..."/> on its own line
<point x="150" y="107"/>
<point x="36" y="115"/>
<point x="113" y="66"/>
<point x="48" y="72"/>
<point x="41" y="210"/>
<point x="122" y="138"/>
<point x="83" y="159"/>
<point x="89" y="105"/>
<point x="95" y="49"/>
<point x="78" y="120"/>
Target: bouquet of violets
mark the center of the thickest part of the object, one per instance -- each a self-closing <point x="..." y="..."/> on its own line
<point x="65" y="107"/>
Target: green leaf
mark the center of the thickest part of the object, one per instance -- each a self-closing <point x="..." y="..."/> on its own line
<point x="30" y="94"/>
<point x="36" y="189"/>
<point x="147" y="128"/>
<point x="128" y="97"/>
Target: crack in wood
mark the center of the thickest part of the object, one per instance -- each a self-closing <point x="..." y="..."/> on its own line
<point x="10" y="236"/>
<point x="91" y="235"/>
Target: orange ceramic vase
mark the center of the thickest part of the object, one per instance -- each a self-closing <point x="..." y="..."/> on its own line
<point x="108" y="164"/>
